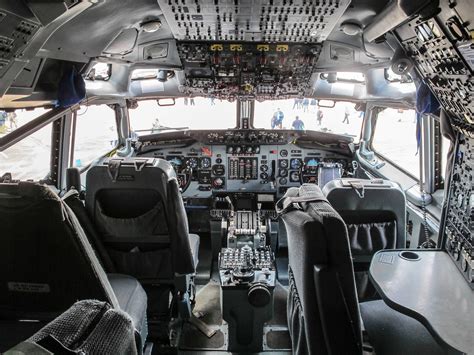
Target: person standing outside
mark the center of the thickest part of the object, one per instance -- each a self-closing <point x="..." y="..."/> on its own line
<point x="305" y="104"/>
<point x="295" y="104"/>
<point x="12" y="118"/>
<point x="298" y="125"/>
<point x="277" y="119"/>
<point x="3" y="121"/>
<point x="319" y="115"/>
<point x="346" y="115"/>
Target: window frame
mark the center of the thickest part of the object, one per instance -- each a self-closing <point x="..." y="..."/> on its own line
<point x="382" y="157"/>
<point x="50" y="117"/>
<point x="84" y="168"/>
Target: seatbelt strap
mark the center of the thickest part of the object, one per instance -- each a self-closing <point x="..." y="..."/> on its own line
<point x="113" y="168"/>
<point x="294" y="202"/>
<point x="202" y="326"/>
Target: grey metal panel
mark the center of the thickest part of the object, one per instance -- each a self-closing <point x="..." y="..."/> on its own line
<point x="429" y="289"/>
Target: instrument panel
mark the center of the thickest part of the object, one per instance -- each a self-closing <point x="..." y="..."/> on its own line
<point x="217" y="163"/>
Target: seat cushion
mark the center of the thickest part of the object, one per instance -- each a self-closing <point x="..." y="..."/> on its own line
<point x="132" y="300"/>
<point x="393" y="333"/>
<point x="194" y="244"/>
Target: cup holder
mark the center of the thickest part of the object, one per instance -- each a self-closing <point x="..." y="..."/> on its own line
<point x="409" y="255"/>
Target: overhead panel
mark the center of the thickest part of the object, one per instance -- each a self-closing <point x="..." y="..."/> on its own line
<point x="442" y="49"/>
<point x="15" y="34"/>
<point x="252" y="20"/>
<point x="248" y="70"/>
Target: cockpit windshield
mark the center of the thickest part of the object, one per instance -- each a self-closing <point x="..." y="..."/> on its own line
<point x="206" y="113"/>
<point x="306" y="114"/>
<point x="186" y="113"/>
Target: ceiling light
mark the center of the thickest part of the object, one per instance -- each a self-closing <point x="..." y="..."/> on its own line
<point x="351" y="29"/>
<point x="151" y="26"/>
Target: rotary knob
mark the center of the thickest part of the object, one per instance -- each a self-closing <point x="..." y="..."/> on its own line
<point x="217" y="182"/>
<point x="259" y="295"/>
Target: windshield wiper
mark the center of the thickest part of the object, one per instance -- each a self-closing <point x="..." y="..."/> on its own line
<point x="161" y="129"/>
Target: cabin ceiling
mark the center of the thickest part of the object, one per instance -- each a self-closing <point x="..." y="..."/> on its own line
<point x="43" y="39"/>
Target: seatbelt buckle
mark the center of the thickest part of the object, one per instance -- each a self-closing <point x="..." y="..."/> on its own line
<point x="297" y="206"/>
<point x="358" y="188"/>
<point x="113" y="169"/>
<point x="139" y="164"/>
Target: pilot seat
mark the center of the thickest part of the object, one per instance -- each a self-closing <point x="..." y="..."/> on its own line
<point x="137" y="209"/>
<point x="48" y="264"/>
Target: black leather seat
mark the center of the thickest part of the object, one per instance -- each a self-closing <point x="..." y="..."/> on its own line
<point x="323" y="309"/>
<point x="48" y="264"/>
<point x="374" y="212"/>
<point x="136" y="206"/>
<point x="88" y="327"/>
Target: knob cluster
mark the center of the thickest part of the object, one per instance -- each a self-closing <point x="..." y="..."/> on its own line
<point x="243" y="149"/>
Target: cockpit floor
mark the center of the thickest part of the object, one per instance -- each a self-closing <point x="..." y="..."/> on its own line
<point x="208" y="309"/>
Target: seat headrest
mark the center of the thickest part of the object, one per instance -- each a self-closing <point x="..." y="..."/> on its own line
<point x="28" y="189"/>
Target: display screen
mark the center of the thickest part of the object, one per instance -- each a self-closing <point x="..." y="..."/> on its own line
<point x="243" y="204"/>
<point x="176" y="161"/>
<point x="265" y="198"/>
<point x="311" y="162"/>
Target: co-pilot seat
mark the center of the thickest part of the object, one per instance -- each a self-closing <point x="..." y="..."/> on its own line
<point x="324" y="316"/>
<point x="137" y="208"/>
<point x="48" y="264"/>
<point x="374" y="212"/>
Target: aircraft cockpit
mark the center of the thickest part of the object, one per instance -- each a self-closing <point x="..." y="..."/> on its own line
<point x="236" y="177"/>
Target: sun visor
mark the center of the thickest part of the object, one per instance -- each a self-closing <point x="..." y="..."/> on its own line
<point x="71" y="89"/>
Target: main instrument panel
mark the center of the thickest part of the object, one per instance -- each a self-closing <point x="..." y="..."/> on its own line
<point x="248" y="160"/>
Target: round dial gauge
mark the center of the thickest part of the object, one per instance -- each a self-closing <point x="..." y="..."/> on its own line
<point x="218" y="169"/>
<point x="192" y="163"/>
<point x="295" y="176"/>
<point x="205" y="163"/>
<point x="295" y="163"/>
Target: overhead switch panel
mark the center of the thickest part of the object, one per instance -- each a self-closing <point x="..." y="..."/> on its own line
<point x="252" y="20"/>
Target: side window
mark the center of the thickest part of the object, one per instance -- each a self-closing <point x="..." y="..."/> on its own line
<point x="30" y="158"/>
<point x="96" y="134"/>
<point x="394" y="139"/>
